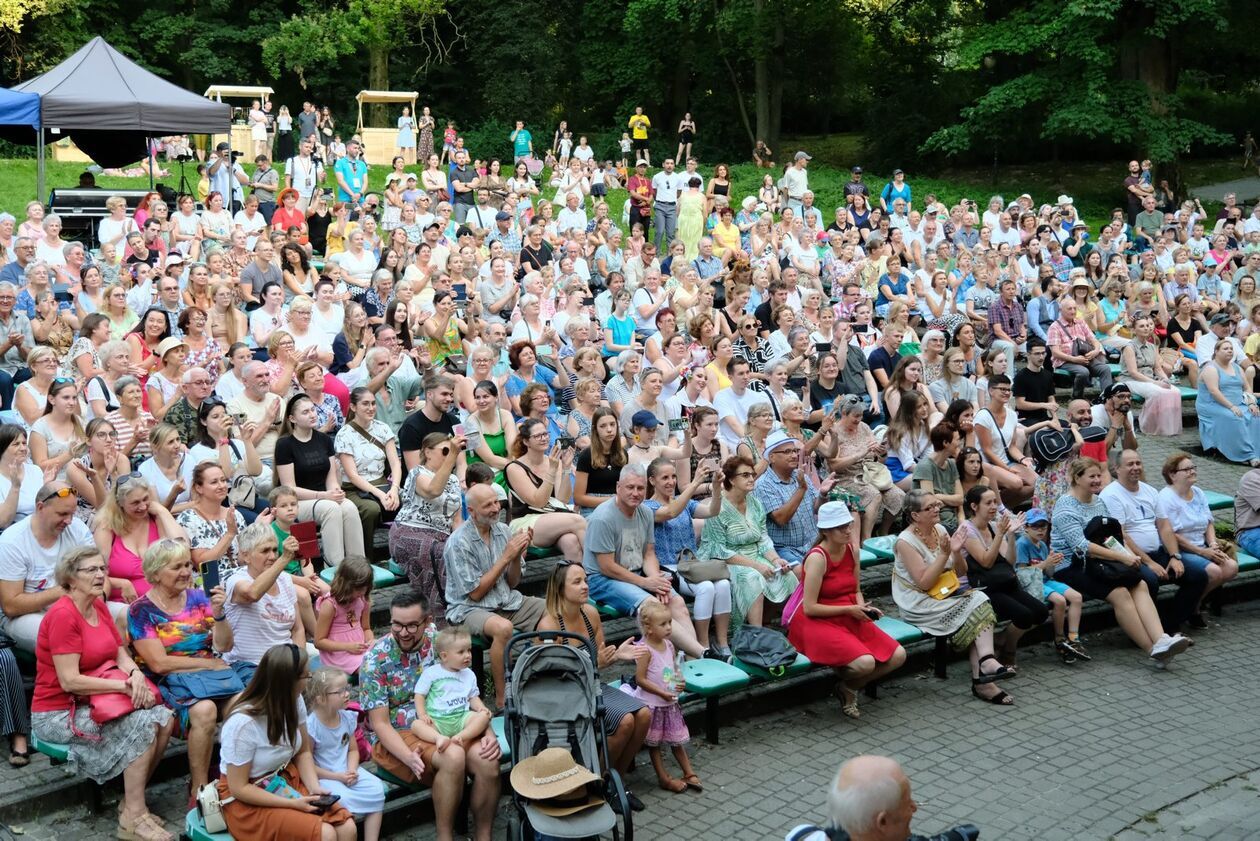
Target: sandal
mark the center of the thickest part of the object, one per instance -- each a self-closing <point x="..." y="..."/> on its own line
<point x="693" y="782"/>
<point x="671" y="784"/>
<point x="848" y="701"/>
<point x="147" y="827"/>
<point x="1002" y="698"/>
<point x="19" y="758"/>
<point x="1003" y="673"/>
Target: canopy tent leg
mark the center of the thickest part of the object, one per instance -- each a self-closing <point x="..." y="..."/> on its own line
<point x="151" y="159"/>
<point x="39" y="164"/>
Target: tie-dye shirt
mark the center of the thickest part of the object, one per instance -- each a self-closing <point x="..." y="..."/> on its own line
<point x="187" y="634"/>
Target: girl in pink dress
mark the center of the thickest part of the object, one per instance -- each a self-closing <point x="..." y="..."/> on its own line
<point x="343" y="625"/>
<point x="659" y="679"/>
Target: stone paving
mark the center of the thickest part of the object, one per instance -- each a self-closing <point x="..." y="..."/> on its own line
<point x="1108" y="749"/>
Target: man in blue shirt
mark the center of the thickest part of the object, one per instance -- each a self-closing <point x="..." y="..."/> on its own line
<point x="352" y="175"/>
<point x="522" y="143"/>
<point x="790" y="501"/>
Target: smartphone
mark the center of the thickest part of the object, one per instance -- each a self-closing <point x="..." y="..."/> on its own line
<point x="565" y="442"/>
<point x="588" y="301"/>
<point x="823" y="347"/>
<point x="210" y="576"/>
<point x="677" y="424"/>
<point x="308" y="539"/>
<point x="325" y="802"/>
<point x="241" y="418"/>
<point x="871" y="612"/>
<point x="461" y="292"/>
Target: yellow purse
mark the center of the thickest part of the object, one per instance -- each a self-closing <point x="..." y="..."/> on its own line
<point x="945" y="586"/>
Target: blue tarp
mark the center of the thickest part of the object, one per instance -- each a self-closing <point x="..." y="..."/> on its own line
<point x="18" y="108"/>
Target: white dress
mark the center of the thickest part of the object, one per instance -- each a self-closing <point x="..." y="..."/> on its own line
<point x="331" y="749"/>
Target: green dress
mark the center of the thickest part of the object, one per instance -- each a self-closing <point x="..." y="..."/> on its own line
<point x="691" y="222"/>
<point x="497" y="442"/>
<point x="732" y="533"/>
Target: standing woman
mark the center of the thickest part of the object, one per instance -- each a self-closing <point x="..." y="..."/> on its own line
<point x="426" y="124"/>
<point x="686" y="134"/>
<point x="76" y="638"/>
<point x="368" y="451"/>
<point x="306" y="460"/>
<point x="835" y="626"/>
<point x="264" y="732"/>
<point x="430" y="511"/>
<point x="406" y="142"/>
<point x="57" y="436"/>
<point x="433" y="181"/>
<point x="925" y="554"/>
<point x="284" y="134"/>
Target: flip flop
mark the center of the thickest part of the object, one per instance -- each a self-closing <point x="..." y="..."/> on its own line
<point x="671" y="784"/>
<point x="693" y="782"/>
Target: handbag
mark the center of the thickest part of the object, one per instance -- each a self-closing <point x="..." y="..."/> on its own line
<point x="793" y="605"/>
<point x="106" y="706"/>
<point x="946" y="585"/>
<point x="186" y="688"/>
<point x="243" y="491"/>
<point x="763" y="648"/>
<point x="1032" y="581"/>
<point x="695" y="571"/>
<point x="210" y="806"/>
<point x="877" y="475"/>
<point x="553" y="505"/>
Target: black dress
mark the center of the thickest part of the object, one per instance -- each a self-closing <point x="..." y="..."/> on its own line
<point x="318" y="225"/>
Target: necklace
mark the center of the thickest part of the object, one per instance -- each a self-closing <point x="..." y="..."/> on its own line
<point x="153" y="597"/>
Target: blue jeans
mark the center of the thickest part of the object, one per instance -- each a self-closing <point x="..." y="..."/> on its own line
<point x="621" y="596"/>
<point x="1190" y="587"/>
<point x="1249" y="541"/>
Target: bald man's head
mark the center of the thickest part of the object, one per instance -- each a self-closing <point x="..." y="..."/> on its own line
<point x="483" y="505"/>
<point x="871" y="800"/>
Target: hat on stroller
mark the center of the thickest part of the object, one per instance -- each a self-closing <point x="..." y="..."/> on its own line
<point x="559" y="803"/>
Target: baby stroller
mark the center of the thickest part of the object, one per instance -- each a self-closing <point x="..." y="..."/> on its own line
<point x="554" y="700"/>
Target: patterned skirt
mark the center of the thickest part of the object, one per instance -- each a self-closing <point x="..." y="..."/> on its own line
<point x="418" y="550"/>
<point x="980" y="620"/>
<point x="121" y="742"/>
<point x="668" y="729"/>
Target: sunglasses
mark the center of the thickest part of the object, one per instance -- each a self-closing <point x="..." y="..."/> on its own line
<point x="63" y="493"/>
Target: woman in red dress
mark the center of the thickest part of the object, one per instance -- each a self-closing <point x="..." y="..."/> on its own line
<point x="834" y="625"/>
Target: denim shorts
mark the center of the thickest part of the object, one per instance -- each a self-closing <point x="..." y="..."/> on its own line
<point x="621" y="596"/>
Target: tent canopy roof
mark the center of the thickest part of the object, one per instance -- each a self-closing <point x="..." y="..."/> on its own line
<point x="238" y="92"/>
<point x="387" y="96"/>
<point x="100" y="89"/>
<point x="18" y="108"/>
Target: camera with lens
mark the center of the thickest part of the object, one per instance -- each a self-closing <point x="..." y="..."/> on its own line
<point x="183" y="159"/>
<point x="236" y="154"/>
<point x="317" y="159"/>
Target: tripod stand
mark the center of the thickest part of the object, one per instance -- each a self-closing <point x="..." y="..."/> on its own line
<point x="184" y="189"/>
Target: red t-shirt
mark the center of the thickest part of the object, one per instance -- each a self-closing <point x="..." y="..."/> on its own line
<point x="65" y="631"/>
<point x="283" y="219"/>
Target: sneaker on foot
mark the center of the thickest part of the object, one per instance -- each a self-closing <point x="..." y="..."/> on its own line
<point x="1068" y="655"/>
<point x="1196" y="622"/>
<point x="1077" y="648"/>
<point x="1157" y="665"/>
<point x="1167" y="647"/>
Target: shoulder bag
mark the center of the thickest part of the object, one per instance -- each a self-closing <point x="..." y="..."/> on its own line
<point x="243" y="491"/>
<point x="553" y="505"/>
<point x="106" y="706"/>
<point x="877" y="475"/>
<point x="381" y="446"/>
<point x="186" y="688"/>
<point x="695" y="571"/>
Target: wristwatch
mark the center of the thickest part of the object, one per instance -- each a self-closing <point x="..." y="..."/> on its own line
<point x="1175" y="557"/>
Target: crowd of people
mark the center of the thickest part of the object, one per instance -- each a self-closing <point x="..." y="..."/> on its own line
<point x="704" y="403"/>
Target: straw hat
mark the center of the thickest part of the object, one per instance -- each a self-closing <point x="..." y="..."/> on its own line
<point x="551" y="773"/>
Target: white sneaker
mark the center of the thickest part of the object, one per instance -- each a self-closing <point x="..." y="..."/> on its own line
<point x="1166" y="647"/>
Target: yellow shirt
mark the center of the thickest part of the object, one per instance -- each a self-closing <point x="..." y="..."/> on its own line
<point x="639" y="125"/>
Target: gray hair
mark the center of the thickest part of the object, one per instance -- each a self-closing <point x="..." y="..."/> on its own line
<point x="381" y="274"/>
<point x="775" y="366"/>
<point x="68" y="564"/>
<point x="251" y="367"/>
<point x="526" y="300"/>
<point x="790" y="401"/>
<point x="756" y="410"/>
<point x="50" y="219"/>
<point x="374" y="352"/>
<point x="70" y="246"/>
<point x="254" y="537"/>
<point x="188" y="375"/>
<point x="111" y="349"/>
<point x="7" y="217"/>
<point x="632" y="471"/>
<point x="854" y="808"/>
<point x="34" y="266"/>
<point x="794" y="332"/>
<point x="574" y="323"/>
<point x="619" y="362"/>
<point x="933" y="334"/>
<point x="123" y="382"/>
<point x="851" y="404"/>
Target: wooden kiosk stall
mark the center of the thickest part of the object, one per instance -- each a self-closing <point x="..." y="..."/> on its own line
<point x="240" y="139"/>
<point x="380" y="144"/>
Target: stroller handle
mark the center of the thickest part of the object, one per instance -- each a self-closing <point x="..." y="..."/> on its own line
<point x="527" y="638"/>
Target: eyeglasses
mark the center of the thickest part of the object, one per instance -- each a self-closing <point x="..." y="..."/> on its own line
<point x="63" y="493"/>
<point x="744" y="474"/>
<point x="92" y="570"/>
<point x="105" y="433"/>
<point x="62" y="380"/>
<point x="405" y="628"/>
<point x="1189" y="468"/>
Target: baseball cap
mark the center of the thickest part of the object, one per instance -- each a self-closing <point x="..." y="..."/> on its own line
<point x="803" y="156"/>
<point x="223" y="146"/>
<point x="832" y="515"/>
<point x="640" y="162"/>
<point x="645" y="419"/>
<point x="1035" y="516"/>
<point x="502" y="216"/>
<point x="1219" y="318"/>
<point x="857" y="170"/>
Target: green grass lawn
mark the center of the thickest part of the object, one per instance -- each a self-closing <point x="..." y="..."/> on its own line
<point x="1094" y="185"/>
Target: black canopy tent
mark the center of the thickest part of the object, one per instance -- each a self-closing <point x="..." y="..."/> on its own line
<point x="111" y="106"/>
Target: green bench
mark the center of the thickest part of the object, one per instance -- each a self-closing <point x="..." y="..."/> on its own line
<point x="58" y="754"/>
<point x="195" y="829"/>
<point x="380" y="577"/>
<point x="710" y="680"/>
<point x="1246" y="563"/>
<point x="799" y="666"/>
<point x="1219" y="502"/>
<point x="880" y="547"/>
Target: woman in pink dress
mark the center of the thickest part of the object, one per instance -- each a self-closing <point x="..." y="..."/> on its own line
<point x="128" y="523"/>
<point x="834" y="626"/>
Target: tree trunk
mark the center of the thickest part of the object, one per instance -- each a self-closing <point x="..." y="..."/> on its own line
<point x="776" y="87"/>
<point x="1153" y="61"/>
<point x="680" y="93"/>
<point x="378" y="80"/>
<point x="761" y="88"/>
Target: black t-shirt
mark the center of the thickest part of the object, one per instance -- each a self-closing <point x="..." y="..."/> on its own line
<point x="821" y="397"/>
<point x="309" y="459"/>
<point x="601" y="481"/>
<point x="466" y="175"/>
<point x="534" y="260"/>
<point x="417" y="426"/>
<point x="763" y="313"/>
<point x="1035" y="387"/>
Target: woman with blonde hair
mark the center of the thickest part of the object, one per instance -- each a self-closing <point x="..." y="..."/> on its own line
<point x="228" y="325"/>
<point x="129" y="521"/>
<point x="58" y="436"/>
<point x="122" y="319"/>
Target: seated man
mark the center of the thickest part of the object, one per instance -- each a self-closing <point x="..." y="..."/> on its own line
<point x="29" y="550"/>
<point x="1151" y="537"/>
<point x="1247" y="512"/>
<point x="483" y="565"/>
<point x="790" y="501"/>
<point x="620" y="558"/>
<point x="387" y="683"/>
<point x="1075" y="349"/>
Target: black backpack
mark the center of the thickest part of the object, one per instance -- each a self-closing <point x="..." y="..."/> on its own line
<point x="763" y="648"/>
<point x="1050" y="446"/>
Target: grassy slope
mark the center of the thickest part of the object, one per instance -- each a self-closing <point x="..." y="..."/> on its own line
<point x="1095" y="186"/>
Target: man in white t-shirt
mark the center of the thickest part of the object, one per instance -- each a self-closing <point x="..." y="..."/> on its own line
<point x="1115" y="414"/>
<point x="302" y="173"/>
<point x="733" y="403"/>
<point x="29" y="552"/>
<point x="263" y="409"/>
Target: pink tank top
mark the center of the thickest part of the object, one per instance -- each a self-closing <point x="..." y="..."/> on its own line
<point x="123" y="563"/>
